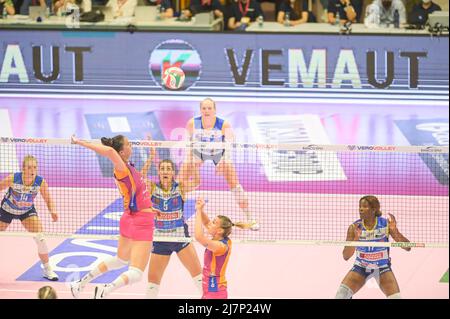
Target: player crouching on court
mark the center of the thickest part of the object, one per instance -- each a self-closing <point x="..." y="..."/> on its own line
<point x="371" y="261"/>
<point x="217" y="252"/>
<point x="18" y="203"/>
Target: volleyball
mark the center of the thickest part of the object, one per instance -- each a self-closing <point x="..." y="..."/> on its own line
<point x="173" y="78"/>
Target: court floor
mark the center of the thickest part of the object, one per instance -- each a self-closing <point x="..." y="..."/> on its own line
<point x="254" y="271"/>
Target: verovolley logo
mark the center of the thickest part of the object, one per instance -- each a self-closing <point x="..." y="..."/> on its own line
<point x="24" y="140"/>
<point x="371" y="148"/>
<point x="175" y="53"/>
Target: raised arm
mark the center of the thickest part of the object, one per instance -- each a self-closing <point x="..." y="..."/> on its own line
<point x="189" y="185"/>
<point x="105" y="151"/>
<point x="6" y="182"/>
<point x="190" y="129"/>
<point x="149" y="161"/>
<point x="353" y="233"/>
<point x="202" y="219"/>
<point x="395" y="233"/>
<point x="228" y="132"/>
<point x="48" y="200"/>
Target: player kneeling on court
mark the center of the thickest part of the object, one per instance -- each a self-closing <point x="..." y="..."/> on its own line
<point x="18" y="203"/>
<point x="371" y="261"/>
<point x="217" y="252"/>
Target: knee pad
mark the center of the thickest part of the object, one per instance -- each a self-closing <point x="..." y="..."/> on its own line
<point x="395" y="296"/>
<point x="39" y="238"/>
<point x="114" y="262"/>
<point x="134" y="275"/>
<point x="344" y="292"/>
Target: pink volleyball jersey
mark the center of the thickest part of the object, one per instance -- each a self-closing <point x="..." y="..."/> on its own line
<point x="133" y="189"/>
<point x="215" y="265"/>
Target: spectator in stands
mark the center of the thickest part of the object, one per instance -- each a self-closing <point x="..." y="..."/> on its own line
<point x="26" y="4"/>
<point x="122" y="8"/>
<point x="47" y="292"/>
<point x="60" y="5"/>
<point x="167" y="8"/>
<point x="244" y="12"/>
<point x="324" y="4"/>
<point x="199" y="6"/>
<point x="9" y="5"/>
<point x="420" y="12"/>
<point x="381" y="13"/>
<point x="346" y="8"/>
<point x="296" y="9"/>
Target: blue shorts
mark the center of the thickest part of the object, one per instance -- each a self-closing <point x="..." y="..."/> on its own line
<point x="204" y="157"/>
<point x="368" y="273"/>
<point x="7" y="218"/>
<point x="167" y="248"/>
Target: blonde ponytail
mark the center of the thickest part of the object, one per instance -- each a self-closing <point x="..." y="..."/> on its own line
<point x="226" y="224"/>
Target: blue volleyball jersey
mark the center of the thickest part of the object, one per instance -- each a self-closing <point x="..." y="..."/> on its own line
<point x="169" y="206"/>
<point x="215" y="134"/>
<point x="19" y="198"/>
<point x="373" y="257"/>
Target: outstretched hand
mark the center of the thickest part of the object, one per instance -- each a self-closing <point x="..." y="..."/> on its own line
<point x="357" y="231"/>
<point x="199" y="205"/>
<point x="74" y="139"/>
<point x="392" y="223"/>
<point x="54" y="217"/>
<point x="152" y="149"/>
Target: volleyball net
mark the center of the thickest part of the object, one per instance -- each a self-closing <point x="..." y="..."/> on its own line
<point x="298" y="194"/>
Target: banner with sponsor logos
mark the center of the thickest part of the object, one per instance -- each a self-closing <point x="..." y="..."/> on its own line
<point x="263" y="65"/>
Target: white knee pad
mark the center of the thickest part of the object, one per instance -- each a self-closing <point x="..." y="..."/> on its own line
<point x="41" y="244"/>
<point x="133" y="274"/>
<point x="344" y="292"/>
<point x="395" y="296"/>
<point x="114" y="262"/>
